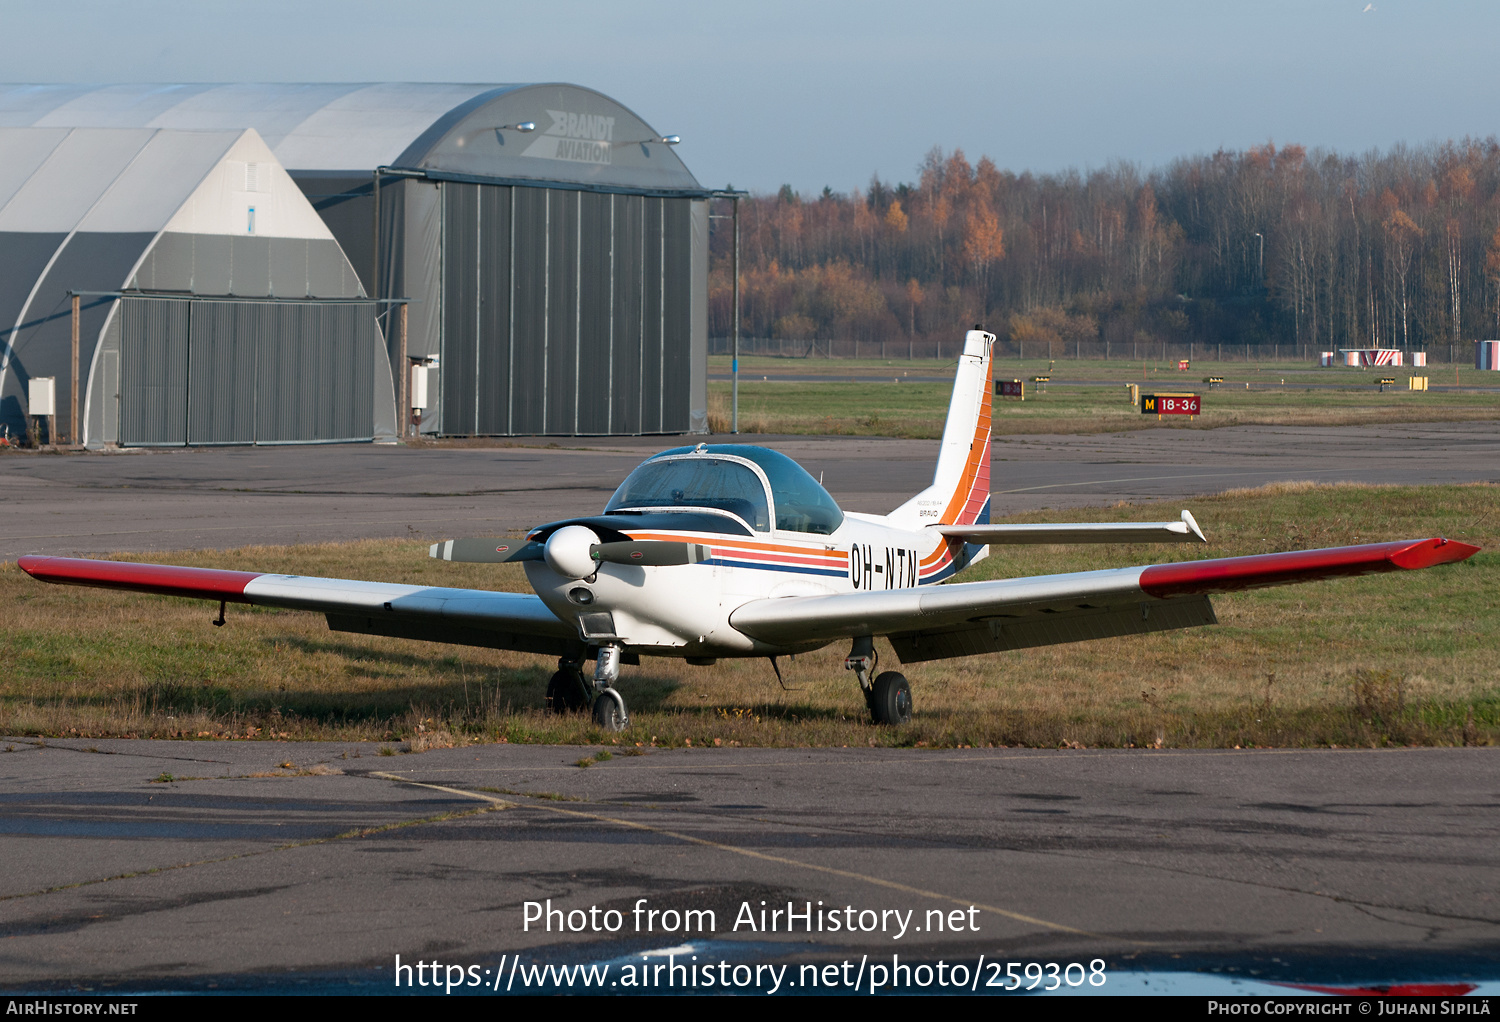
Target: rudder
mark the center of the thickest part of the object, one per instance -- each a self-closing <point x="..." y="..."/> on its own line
<point x="960" y="490"/>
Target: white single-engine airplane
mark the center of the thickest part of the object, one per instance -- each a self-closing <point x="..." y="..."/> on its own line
<point x="728" y="550"/>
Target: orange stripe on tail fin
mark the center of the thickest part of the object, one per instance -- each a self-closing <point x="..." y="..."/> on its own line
<point x="961" y="483"/>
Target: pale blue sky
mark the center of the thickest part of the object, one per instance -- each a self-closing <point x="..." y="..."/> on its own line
<point x="829" y="93"/>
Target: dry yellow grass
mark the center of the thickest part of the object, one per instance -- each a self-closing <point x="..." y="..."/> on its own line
<point x="1406" y="658"/>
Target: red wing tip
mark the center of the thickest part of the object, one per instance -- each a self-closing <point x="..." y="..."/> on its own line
<point x="165" y="579"/>
<point x="32" y="563"/>
<point x="1232" y="574"/>
<point x="1425" y="553"/>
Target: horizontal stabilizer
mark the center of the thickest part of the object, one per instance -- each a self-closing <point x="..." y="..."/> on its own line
<point x="1184" y="531"/>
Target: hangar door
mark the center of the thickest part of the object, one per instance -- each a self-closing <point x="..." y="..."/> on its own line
<point x="564" y="312"/>
<point x="196" y="371"/>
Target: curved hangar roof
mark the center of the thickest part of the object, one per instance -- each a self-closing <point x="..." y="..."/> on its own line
<point x="101" y="209"/>
<point x="465" y="131"/>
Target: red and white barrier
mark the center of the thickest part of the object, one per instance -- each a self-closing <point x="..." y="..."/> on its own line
<point x="1372" y="356"/>
<point x="1487" y="355"/>
<point x="1325" y="358"/>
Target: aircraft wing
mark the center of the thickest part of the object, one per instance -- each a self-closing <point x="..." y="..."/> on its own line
<point x="472" y="617"/>
<point x="1184" y="531"/>
<point x="960" y="619"/>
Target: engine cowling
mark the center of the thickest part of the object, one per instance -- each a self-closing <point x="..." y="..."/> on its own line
<point x="568" y="551"/>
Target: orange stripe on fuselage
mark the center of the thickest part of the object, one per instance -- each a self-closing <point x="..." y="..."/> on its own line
<point x="945" y="552"/>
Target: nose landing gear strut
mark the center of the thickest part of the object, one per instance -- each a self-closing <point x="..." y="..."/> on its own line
<point x="609" y="705"/>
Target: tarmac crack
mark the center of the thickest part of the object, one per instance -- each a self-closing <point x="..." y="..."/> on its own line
<point x="780" y="860"/>
<point x="1366" y="907"/>
<point x="355" y="833"/>
<point x="75" y="921"/>
<point x="92" y="751"/>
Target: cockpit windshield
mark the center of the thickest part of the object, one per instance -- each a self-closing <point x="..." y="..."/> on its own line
<point x="695" y="482"/>
<point x="802" y="505"/>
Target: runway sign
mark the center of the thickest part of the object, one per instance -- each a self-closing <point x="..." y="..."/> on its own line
<point x="1170" y="404"/>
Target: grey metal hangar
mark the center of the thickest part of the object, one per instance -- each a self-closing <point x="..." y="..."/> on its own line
<point x="523" y="259"/>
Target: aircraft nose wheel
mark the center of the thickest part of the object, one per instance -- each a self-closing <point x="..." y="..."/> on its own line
<point x="566" y="692"/>
<point x="609" y="711"/>
<point x="890" y="699"/>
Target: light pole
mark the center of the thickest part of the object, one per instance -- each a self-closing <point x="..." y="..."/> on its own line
<point x="734" y="269"/>
<point x="734" y="361"/>
<point x="1260" y="267"/>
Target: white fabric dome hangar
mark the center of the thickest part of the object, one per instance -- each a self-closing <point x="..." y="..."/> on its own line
<point x="214" y="305"/>
<point x="552" y="244"/>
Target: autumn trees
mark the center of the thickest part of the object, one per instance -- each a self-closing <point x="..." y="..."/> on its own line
<point x="1265" y="245"/>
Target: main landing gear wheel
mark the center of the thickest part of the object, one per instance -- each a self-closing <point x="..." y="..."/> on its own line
<point x="609" y="711"/>
<point x="566" y="692"/>
<point x="890" y="699"/>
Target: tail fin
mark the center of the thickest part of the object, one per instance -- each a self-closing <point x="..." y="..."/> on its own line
<point x="960" y="490"/>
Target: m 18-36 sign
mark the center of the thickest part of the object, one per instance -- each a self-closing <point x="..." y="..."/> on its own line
<point x="1170" y="404"/>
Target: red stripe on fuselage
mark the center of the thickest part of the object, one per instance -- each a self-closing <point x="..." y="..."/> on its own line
<point x="1230" y="574"/>
<point x="165" y="579"/>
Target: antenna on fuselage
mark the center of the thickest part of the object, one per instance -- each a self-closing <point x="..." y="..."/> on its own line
<point x="775" y="667"/>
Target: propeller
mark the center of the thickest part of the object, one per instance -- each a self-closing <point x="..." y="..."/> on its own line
<point x="654" y="553"/>
<point x="485" y="551"/>
<point x="574" y="551"/>
<point x="646" y="553"/>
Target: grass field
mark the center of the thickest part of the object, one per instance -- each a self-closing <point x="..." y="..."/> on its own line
<point x="1408" y="658"/>
<point x="1085" y="396"/>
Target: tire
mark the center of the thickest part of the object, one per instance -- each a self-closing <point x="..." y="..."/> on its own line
<point x="609" y="711"/>
<point x="565" y="692"/>
<point x="890" y="700"/>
